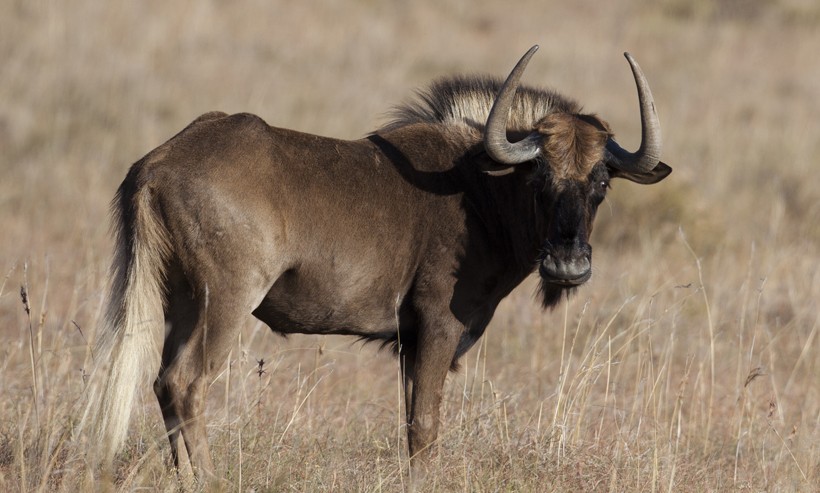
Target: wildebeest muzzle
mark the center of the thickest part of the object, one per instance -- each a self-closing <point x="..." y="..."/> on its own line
<point x="566" y="265"/>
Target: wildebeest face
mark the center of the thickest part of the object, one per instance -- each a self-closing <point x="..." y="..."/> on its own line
<point x="573" y="175"/>
<point x="574" y="180"/>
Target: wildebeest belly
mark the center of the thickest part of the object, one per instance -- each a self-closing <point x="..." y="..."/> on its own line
<point x="312" y="304"/>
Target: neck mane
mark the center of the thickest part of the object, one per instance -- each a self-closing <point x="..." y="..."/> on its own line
<point x="467" y="101"/>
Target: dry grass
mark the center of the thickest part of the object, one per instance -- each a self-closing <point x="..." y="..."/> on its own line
<point x="691" y="361"/>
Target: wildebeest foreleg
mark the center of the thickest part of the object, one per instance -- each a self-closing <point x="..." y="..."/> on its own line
<point x="434" y="354"/>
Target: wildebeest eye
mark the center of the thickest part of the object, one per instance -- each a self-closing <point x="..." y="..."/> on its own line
<point x="600" y="190"/>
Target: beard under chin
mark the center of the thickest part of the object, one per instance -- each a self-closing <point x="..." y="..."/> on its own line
<point x="551" y="294"/>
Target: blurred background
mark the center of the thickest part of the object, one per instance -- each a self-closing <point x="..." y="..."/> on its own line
<point x="89" y="88"/>
<point x="728" y="243"/>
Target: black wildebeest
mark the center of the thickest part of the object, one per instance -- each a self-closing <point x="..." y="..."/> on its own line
<point x="411" y="235"/>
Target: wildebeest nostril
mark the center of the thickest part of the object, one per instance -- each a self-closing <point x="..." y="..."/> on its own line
<point x="571" y="269"/>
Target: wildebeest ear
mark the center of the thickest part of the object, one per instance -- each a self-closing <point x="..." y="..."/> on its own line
<point x="657" y="174"/>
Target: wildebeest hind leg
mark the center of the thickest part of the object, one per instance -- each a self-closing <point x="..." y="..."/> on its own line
<point x="203" y="329"/>
<point x="180" y="320"/>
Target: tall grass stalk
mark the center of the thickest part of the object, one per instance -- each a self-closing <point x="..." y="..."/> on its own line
<point x="711" y="327"/>
<point x="35" y="393"/>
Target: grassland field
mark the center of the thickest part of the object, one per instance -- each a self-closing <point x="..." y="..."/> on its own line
<point x="690" y="362"/>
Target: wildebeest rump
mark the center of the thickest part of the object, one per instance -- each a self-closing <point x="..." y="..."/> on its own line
<point x="411" y="235"/>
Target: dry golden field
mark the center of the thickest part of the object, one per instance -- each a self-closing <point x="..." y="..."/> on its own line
<point x="691" y="361"/>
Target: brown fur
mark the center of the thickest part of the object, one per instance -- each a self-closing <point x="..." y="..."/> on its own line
<point x="574" y="144"/>
<point x="396" y="237"/>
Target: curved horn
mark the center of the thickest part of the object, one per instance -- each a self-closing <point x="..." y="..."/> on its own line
<point x="649" y="153"/>
<point x="495" y="131"/>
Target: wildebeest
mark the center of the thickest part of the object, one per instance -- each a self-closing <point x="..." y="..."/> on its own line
<point x="411" y="236"/>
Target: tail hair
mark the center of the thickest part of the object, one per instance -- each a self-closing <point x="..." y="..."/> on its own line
<point x="129" y="339"/>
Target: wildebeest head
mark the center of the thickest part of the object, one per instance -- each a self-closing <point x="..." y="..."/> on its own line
<point x="575" y="157"/>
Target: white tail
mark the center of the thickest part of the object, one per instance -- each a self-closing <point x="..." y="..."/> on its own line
<point x="129" y="340"/>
